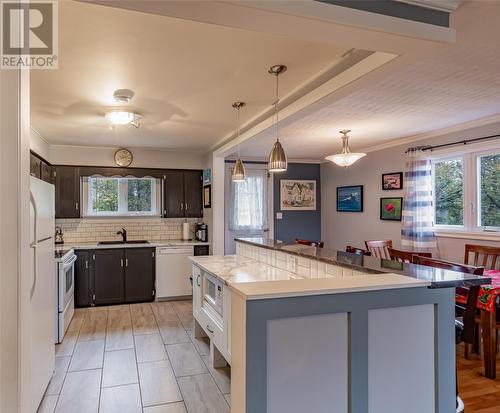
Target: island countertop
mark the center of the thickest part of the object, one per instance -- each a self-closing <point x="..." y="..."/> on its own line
<point x="437" y="278"/>
<point x="255" y="280"/>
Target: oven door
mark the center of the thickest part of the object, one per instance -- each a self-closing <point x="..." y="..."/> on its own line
<point x="66" y="282"/>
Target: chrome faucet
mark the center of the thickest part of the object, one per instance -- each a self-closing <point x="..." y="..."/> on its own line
<point x="123" y="233"/>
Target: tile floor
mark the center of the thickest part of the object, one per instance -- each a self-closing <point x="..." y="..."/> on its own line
<point x="138" y="358"/>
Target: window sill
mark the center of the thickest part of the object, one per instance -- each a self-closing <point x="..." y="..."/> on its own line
<point x="476" y="235"/>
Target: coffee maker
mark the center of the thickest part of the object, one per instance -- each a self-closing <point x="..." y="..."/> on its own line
<point x="201" y="232"/>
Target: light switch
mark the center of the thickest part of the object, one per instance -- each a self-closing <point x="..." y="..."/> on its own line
<point x="279" y="215"/>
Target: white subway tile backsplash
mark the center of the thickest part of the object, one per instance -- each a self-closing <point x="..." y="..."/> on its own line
<point x="94" y="230"/>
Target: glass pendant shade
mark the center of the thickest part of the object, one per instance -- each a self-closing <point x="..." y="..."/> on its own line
<point x="238" y="172"/>
<point x="345" y="158"/>
<point x="277" y="158"/>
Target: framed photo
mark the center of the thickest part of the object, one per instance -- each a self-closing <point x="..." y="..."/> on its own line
<point x="207" y="196"/>
<point x="207" y="176"/>
<point x="350" y="198"/>
<point x="392" y="181"/>
<point x="297" y="195"/>
<point x="391" y="209"/>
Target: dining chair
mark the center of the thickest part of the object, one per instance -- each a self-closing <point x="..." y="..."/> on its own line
<point x="489" y="321"/>
<point x="464" y="329"/>
<point x="356" y="250"/>
<point x="488" y="257"/>
<point x="319" y="244"/>
<point x="406" y="256"/>
<point x="379" y="248"/>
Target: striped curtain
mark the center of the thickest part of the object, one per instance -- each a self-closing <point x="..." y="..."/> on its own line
<point x="417" y="231"/>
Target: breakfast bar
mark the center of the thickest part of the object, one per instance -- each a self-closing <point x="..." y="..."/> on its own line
<point x="311" y="329"/>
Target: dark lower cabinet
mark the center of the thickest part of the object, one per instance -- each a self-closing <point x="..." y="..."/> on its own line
<point x="114" y="276"/>
<point x="109" y="276"/>
<point x="139" y="274"/>
<point x="83" y="268"/>
<point x="201" y="250"/>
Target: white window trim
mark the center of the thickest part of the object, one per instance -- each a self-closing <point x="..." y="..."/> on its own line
<point x="123" y="194"/>
<point x="471" y="200"/>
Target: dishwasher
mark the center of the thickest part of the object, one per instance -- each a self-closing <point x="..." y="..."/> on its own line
<point x="172" y="271"/>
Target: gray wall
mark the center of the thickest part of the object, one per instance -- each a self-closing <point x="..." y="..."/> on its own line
<point x="346" y="228"/>
<point x="298" y="224"/>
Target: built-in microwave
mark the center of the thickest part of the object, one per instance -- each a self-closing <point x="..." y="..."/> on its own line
<point x="213" y="293"/>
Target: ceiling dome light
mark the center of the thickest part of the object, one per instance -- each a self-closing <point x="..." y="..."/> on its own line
<point x="123" y="95"/>
<point x="238" y="174"/>
<point x="345" y="158"/>
<point x="123" y="117"/>
<point x="277" y="157"/>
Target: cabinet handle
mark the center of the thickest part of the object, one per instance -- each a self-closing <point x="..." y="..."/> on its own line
<point x="126" y="262"/>
<point x="121" y="262"/>
<point x="76" y="206"/>
<point x="198" y="280"/>
<point x="186" y="206"/>
<point x="86" y="264"/>
<point x="210" y="331"/>
<point x="182" y="206"/>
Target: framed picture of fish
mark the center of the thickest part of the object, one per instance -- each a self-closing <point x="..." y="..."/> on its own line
<point x="392" y="181"/>
<point x="391" y="209"/>
<point x="350" y="198"/>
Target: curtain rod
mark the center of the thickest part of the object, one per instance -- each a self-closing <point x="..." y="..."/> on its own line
<point x="462" y="142"/>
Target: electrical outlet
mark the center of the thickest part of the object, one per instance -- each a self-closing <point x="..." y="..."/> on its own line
<point x="279" y="215"/>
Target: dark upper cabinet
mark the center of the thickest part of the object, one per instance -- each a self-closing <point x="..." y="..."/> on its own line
<point x="193" y="206"/>
<point x="139" y="274"/>
<point x="183" y="194"/>
<point x="67" y="181"/>
<point x="46" y="172"/>
<point x="35" y="163"/>
<point x="83" y="268"/>
<point x="173" y="193"/>
<point x="108" y="276"/>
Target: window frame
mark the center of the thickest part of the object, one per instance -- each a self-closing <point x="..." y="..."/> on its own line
<point x="471" y="193"/>
<point x="122" y="198"/>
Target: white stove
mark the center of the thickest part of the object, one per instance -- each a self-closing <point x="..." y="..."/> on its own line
<point x="65" y="288"/>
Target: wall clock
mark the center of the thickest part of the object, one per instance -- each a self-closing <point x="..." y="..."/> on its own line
<point x="123" y="157"/>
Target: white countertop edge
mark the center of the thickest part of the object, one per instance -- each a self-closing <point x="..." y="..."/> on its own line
<point x="152" y="244"/>
<point x="344" y="285"/>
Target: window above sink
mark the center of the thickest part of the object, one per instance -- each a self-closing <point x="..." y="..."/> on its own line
<point x="121" y="197"/>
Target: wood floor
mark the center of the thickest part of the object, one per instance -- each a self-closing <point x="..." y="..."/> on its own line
<point x="479" y="394"/>
<point x="139" y="358"/>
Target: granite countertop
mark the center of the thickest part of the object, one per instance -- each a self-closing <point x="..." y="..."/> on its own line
<point x="152" y="244"/>
<point x="255" y="280"/>
<point x="436" y="277"/>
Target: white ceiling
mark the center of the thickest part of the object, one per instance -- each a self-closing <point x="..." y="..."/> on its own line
<point x="457" y="83"/>
<point x="185" y="76"/>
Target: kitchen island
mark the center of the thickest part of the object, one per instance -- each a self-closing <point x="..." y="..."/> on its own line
<point x="310" y="330"/>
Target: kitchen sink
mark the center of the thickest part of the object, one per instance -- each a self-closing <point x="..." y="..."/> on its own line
<point x="140" y="241"/>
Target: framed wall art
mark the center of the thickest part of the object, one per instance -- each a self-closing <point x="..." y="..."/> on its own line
<point x="391" y="209"/>
<point x="392" y="181"/>
<point x="297" y="195"/>
<point x="350" y="198"/>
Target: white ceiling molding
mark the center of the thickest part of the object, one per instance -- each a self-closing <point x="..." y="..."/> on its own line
<point x="435" y="133"/>
<point x="307" y="103"/>
<point x="443" y="5"/>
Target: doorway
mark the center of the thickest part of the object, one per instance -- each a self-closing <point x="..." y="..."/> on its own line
<point x="248" y="208"/>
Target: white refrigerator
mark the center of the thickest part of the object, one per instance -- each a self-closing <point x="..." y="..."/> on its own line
<point x="42" y="290"/>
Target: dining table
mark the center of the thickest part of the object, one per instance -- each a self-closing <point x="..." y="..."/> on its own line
<point x="487" y="305"/>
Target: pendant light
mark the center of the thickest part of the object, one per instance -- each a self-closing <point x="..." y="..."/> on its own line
<point x="345" y="158"/>
<point x="238" y="174"/>
<point x="277" y="157"/>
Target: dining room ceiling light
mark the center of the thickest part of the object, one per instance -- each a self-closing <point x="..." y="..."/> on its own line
<point x="238" y="174"/>
<point x="277" y="157"/>
<point x="123" y="117"/>
<point x="345" y="158"/>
